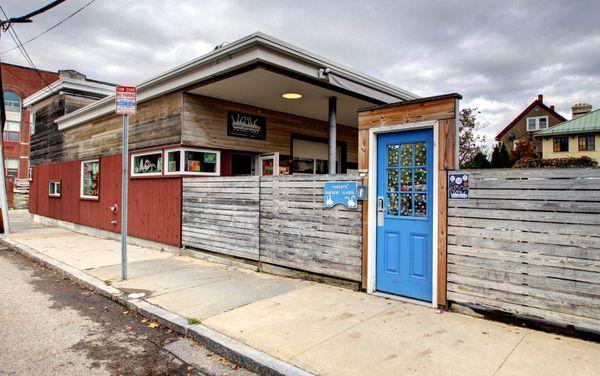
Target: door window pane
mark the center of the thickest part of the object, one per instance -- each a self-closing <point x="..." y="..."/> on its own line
<point x="392" y="203"/>
<point x="420" y="205"/>
<point x="420" y="179"/>
<point x="392" y="155"/>
<point x="420" y="154"/>
<point x="392" y="179"/>
<point x="406" y="204"/>
<point x="406" y="154"/>
<point x="406" y="179"/>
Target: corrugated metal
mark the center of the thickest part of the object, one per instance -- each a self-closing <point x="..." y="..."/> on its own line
<point x="588" y="123"/>
<point x="154" y="204"/>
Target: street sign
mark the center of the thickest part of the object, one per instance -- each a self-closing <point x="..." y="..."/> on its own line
<point x="125" y="100"/>
<point x="340" y="192"/>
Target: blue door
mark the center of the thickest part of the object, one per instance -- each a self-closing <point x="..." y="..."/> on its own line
<point x="404" y="213"/>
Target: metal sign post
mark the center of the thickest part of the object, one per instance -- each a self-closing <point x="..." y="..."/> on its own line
<point x="125" y="104"/>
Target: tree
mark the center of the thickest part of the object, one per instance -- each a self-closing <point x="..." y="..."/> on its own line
<point x="478" y="161"/>
<point x="523" y="149"/>
<point x="469" y="142"/>
<point x="496" y="158"/>
<point x="504" y="157"/>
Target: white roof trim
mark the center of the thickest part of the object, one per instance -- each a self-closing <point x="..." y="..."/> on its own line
<point x="238" y="54"/>
<point x="68" y="83"/>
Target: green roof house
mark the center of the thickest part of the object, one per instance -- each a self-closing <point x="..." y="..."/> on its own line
<point x="577" y="137"/>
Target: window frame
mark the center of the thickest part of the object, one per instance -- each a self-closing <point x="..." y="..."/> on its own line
<point x="132" y="156"/>
<point x="182" y="171"/>
<point x="587" y="137"/>
<point x="11" y="108"/>
<point x="81" y="195"/>
<point x="554" y="143"/>
<point x="50" y="184"/>
<point x="537" y="123"/>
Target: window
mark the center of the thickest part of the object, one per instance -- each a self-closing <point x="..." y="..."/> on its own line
<point x="90" y="179"/>
<point x="147" y="164"/>
<point x="537" y="123"/>
<point x="12" y="102"/>
<point x="560" y="144"/>
<point x="11" y="131"/>
<point x="407" y="178"/>
<point x="312" y="157"/>
<point x="587" y="143"/>
<point x="54" y="189"/>
<point x="12" y="166"/>
<point x="515" y="143"/>
<point x="193" y="162"/>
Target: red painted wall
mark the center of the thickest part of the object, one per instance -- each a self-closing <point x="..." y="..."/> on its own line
<point x="154" y="203"/>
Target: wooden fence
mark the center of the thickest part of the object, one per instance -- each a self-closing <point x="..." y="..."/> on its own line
<point x="276" y="219"/>
<point x="221" y="214"/>
<point x="528" y="242"/>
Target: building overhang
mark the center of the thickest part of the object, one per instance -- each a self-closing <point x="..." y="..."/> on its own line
<point x="239" y="56"/>
<point x="67" y="83"/>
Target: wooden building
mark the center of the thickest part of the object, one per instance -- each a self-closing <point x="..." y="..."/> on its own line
<point x="255" y="106"/>
<point x="211" y="147"/>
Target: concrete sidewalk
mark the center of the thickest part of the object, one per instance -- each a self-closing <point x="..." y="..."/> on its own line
<point x="319" y="328"/>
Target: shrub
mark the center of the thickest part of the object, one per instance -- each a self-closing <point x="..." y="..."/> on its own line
<point x="569" y="162"/>
<point x="478" y="161"/>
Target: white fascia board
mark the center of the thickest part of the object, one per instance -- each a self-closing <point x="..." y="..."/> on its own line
<point x="68" y="83"/>
<point x="146" y="91"/>
<point x="253" y="48"/>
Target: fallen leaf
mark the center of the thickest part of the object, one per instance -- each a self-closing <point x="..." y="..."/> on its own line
<point x="125" y="312"/>
<point x="190" y="368"/>
<point x="153" y="325"/>
<point x="235" y="367"/>
<point x="145" y="320"/>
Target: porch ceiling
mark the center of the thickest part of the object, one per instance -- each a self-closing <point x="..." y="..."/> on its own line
<point x="263" y="88"/>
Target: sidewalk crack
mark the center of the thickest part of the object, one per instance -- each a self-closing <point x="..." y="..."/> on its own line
<point x="509" y="354"/>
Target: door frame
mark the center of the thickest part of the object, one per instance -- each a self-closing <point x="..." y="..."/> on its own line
<point x="372" y="209"/>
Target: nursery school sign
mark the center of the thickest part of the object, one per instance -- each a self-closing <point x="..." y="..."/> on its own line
<point x="340" y="192"/>
<point x="458" y="186"/>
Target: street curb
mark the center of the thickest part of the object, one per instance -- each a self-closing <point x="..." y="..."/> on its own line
<point x="244" y="355"/>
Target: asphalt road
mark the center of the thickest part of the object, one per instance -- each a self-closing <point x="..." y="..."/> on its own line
<point x="51" y="326"/>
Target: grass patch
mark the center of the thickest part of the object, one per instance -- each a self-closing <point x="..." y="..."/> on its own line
<point x="192" y="321"/>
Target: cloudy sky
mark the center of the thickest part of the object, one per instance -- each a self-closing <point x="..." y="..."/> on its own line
<point x="498" y="54"/>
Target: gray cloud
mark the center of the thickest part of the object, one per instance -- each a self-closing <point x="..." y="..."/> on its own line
<point x="498" y="54"/>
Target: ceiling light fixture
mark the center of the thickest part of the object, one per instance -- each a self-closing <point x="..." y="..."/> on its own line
<point x="291" y="95"/>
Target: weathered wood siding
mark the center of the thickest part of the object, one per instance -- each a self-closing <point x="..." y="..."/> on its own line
<point x="157" y="123"/>
<point x="205" y="124"/>
<point x="528" y="242"/>
<point x="296" y="231"/>
<point x="220" y="214"/>
<point x="279" y="220"/>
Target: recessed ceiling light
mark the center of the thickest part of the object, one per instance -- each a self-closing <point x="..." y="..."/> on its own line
<point x="291" y="95"/>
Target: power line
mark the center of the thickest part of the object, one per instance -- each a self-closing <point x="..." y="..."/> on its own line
<point x="15" y="37"/>
<point x="51" y="28"/>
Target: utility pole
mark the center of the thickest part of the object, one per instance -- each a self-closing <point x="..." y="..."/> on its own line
<point x="4" y="26"/>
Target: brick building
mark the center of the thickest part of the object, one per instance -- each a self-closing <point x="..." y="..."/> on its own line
<point x="18" y="83"/>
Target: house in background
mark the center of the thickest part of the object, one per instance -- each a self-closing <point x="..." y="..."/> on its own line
<point x="577" y="137"/>
<point x="19" y="82"/>
<point x="537" y="116"/>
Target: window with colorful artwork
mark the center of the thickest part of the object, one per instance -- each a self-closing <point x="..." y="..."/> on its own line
<point x="54" y="189"/>
<point x="147" y="164"/>
<point x="407" y="180"/>
<point x="90" y="179"/>
<point x="193" y="162"/>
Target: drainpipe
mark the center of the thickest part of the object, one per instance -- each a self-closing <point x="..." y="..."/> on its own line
<point x="332" y="134"/>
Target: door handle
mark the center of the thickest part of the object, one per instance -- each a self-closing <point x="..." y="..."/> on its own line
<point x="380" y="211"/>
